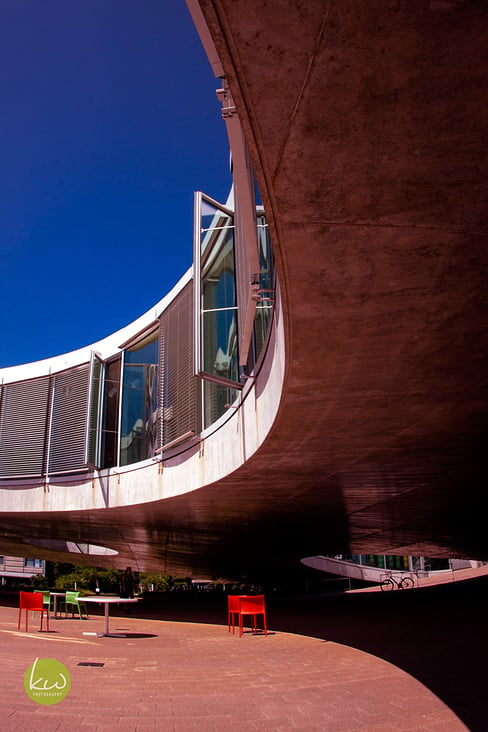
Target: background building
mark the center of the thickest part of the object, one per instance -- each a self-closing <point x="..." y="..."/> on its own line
<point x="18" y="568"/>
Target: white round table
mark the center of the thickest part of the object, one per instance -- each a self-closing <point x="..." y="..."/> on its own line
<point x="107" y="601"/>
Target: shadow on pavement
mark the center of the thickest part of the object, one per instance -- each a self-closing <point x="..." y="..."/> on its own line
<point x="436" y="634"/>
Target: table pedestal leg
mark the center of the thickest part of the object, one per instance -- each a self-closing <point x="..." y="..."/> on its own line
<point x="106" y="632"/>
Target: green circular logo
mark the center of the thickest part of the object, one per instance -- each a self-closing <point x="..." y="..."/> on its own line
<point x="47" y="681"/>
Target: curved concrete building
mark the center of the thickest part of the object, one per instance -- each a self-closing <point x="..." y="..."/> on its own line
<point x="328" y="396"/>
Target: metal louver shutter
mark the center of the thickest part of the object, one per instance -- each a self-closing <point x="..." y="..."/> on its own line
<point x="23" y="428"/>
<point x="68" y="424"/>
<point x="177" y="385"/>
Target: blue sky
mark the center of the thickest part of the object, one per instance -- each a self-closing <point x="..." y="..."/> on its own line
<point x="108" y="123"/>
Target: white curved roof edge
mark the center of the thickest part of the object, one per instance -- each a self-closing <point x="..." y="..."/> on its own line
<point x="230" y="199"/>
<point x="106" y="347"/>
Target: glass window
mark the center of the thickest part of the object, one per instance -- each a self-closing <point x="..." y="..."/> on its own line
<point x="217" y="399"/>
<point x="139" y="415"/>
<point x="373" y="560"/>
<point x="438" y="564"/>
<point x="219" y="305"/>
<point x="416" y="563"/>
<point x="103" y="413"/>
<point x="396" y="562"/>
<point x="92" y="456"/>
<point x="110" y="414"/>
<point x="264" y="309"/>
<point x="231" y="325"/>
<point x="33" y="563"/>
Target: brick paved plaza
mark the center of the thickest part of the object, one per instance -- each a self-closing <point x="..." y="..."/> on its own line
<point x="359" y="661"/>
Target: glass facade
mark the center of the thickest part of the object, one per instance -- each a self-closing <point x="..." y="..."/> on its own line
<point x="109" y="423"/>
<point x="264" y="309"/>
<point x="93" y="412"/>
<point x="218" y="291"/>
<point x="222" y="297"/>
<point x="396" y="562"/>
<point x="216" y="400"/>
<point x="145" y="399"/>
<point x="139" y="413"/>
<point x="102" y="433"/>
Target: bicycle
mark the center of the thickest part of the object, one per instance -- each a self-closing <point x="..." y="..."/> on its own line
<point x="390" y="581"/>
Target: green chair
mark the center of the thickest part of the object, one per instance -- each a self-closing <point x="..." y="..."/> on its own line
<point x="73" y="603"/>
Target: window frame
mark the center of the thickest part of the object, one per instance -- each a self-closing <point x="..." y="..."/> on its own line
<point x="200" y="259"/>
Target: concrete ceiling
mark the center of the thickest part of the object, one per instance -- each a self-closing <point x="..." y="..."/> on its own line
<point x="367" y="127"/>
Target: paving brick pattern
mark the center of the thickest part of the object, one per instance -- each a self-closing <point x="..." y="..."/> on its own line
<point x="183" y="676"/>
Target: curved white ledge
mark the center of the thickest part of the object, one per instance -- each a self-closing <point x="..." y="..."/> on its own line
<point x="216" y="453"/>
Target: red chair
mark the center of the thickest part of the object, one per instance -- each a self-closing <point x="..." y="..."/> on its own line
<point x="32" y="602"/>
<point x="251" y="605"/>
<point x="233" y="604"/>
